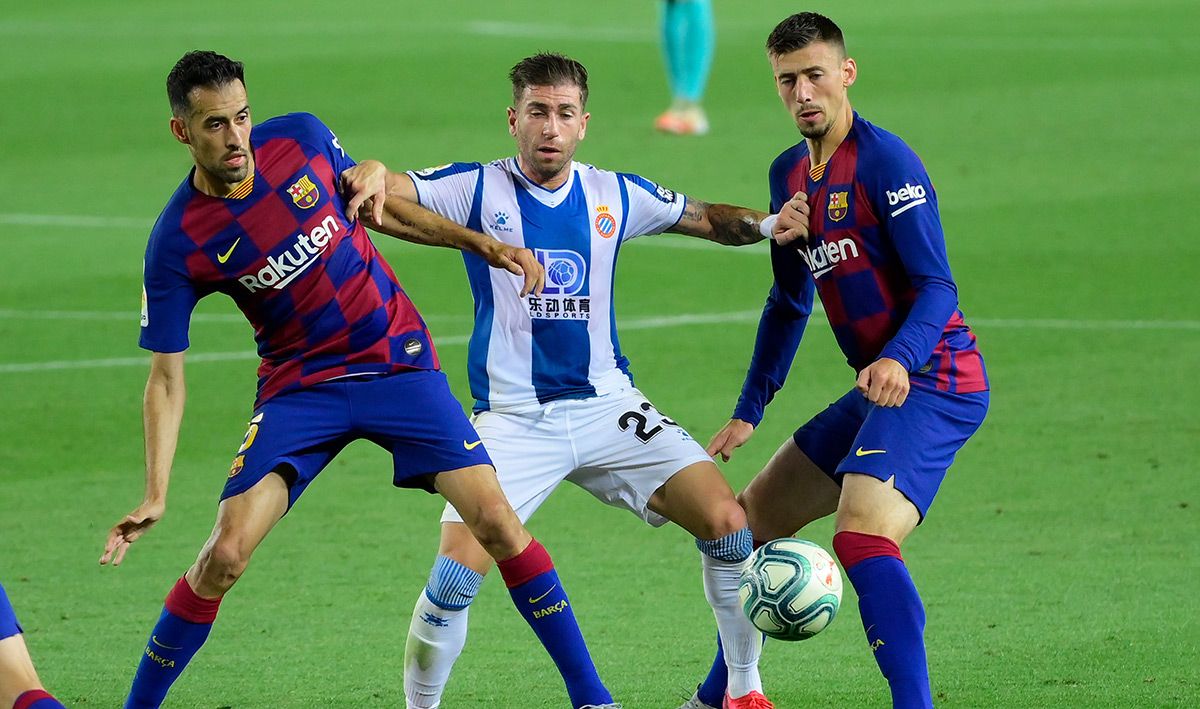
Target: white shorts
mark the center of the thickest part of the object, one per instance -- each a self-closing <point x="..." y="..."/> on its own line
<point x="617" y="447"/>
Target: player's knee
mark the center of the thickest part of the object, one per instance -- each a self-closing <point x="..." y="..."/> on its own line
<point x="722" y="519"/>
<point x="497" y="528"/>
<point x="452" y="586"/>
<point x="222" y="563"/>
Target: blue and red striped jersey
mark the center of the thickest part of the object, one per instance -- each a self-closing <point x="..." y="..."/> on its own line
<point x="876" y="254"/>
<point x="321" y="299"/>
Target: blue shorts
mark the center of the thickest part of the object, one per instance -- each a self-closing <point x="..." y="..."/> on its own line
<point x="8" y="618"/>
<point x="914" y="443"/>
<point x="411" y="414"/>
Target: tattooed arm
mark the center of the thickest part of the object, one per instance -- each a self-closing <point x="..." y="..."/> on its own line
<point x="722" y="223"/>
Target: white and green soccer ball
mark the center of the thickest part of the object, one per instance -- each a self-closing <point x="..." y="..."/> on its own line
<point x="791" y="589"/>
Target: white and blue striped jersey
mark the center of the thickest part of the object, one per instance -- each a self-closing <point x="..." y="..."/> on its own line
<point x="563" y="344"/>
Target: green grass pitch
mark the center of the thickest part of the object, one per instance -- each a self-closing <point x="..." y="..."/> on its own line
<point x="1059" y="563"/>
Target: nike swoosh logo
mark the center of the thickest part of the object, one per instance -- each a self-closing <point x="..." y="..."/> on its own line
<point x="222" y="258"/>
<point x="154" y="639"/>
<point x="471" y="447"/>
<point x="547" y="593"/>
<point x="860" y="452"/>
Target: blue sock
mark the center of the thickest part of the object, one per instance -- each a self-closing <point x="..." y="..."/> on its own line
<point x="894" y="619"/>
<point x="699" y="38"/>
<point x="542" y="601"/>
<point x="712" y="690"/>
<point x="171" y="646"/>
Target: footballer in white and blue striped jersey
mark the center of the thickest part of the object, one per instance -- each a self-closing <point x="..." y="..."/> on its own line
<point x="554" y="397"/>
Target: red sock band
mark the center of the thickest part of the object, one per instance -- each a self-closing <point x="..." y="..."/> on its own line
<point x="183" y="602"/>
<point x="854" y="547"/>
<point x="27" y="699"/>
<point x="532" y="562"/>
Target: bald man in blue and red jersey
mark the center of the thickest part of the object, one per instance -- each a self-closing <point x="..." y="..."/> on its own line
<point x="262" y="218"/>
<point x="872" y="246"/>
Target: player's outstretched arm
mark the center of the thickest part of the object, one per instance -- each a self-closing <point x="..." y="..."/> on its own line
<point x="162" y="413"/>
<point x="407" y="220"/>
<point x="722" y="223"/>
<point x="733" y="435"/>
<point x="738" y="226"/>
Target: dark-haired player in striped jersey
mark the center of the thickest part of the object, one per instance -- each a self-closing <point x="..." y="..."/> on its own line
<point x="263" y="218"/>
<point x="875" y="252"/>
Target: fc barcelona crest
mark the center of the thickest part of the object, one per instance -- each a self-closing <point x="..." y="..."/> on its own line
<point x="304" y="193"/>
<point x="839" y="204"/>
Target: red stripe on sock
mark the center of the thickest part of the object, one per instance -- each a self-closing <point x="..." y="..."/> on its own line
<point x="27" y="699"/>
<point x="183" y="602"/>
<point x="532" y="562"/>
<point x="854" y="547"/>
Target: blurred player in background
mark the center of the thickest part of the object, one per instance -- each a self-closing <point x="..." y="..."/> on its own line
<point x="554" y="396"/>
<point x="20" y="687"/>
<point x="687" y="40"/>
<point x="876" y="253"/>
<point x="345" y="355"/>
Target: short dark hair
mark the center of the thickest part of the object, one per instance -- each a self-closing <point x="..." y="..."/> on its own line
<point x="548" y="69"/>
<point x="199" y="68"/>
<point x="801" y="30"/>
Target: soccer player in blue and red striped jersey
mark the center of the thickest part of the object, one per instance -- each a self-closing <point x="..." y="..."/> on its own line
<point x="20" y="687"/>
<point x="873" y="248"/>
<point x="262" y="218"/>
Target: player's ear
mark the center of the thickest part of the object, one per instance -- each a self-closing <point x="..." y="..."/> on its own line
<point x="583" y="124"/>
<point x="179" y="130"/>
<point x="849" y="72"/>
<point x="512" y="121"/>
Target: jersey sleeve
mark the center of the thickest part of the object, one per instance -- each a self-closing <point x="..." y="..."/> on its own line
<point x="902" y="194"/>
<point x="783" y="320"/>
<point x="316" y="134"/>
<point x="649" y="208"/>
<point x="168" y="298"/>
<point x="448" y="190"/>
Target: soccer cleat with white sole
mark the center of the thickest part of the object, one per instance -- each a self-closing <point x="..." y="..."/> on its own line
<point x="696" y="703"/>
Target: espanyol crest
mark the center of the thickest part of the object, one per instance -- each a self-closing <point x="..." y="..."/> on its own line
<point x="839" y="205"/>
<point x="304" y="193"/>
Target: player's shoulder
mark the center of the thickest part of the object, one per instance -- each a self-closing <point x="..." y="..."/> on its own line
<point x="631" y="180"/>
<point x="787" y="161"/>
<point x="302" y="127"/>
<point x="169" y="224"/>
<point x="439" y="172"/>
<point x="882" y="153"/>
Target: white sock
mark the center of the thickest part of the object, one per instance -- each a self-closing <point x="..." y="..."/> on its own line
<point x="435" y="639"/>
<point x="741" y="640"/>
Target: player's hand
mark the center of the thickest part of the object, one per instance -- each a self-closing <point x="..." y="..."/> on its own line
<point x="366" y="183"/>
<point x="733" y="435"/>
<point x="884" y="382"/>
<point x="792" y="223"/>
<point x="519" y="262"/>
<point x="127" y="531"/>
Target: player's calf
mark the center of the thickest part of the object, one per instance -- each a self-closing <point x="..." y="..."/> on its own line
<point x="190" y="608"/>
<point x="438" y="631"/>
<point x="530" y="576"/>
<point x="892" y="613"/>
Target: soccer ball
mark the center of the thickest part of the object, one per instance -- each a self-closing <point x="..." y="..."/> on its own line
<point x="791" y="590"/>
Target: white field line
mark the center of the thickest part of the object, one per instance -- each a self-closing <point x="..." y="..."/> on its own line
<point x="643" y="323"/>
